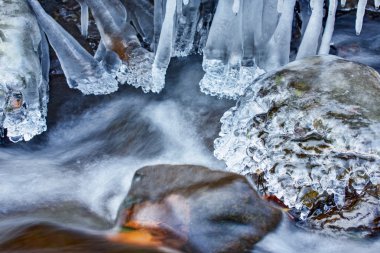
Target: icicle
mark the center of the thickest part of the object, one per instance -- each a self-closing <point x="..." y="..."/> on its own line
<point x="165" y="44"/>
<point x="185" y="2"/>
<point x="360" y="16"/>
<point x="252" y="29"/>
<point x="110" y="17"/>
<point x="44" y="57"/>
<point x="343" y="3"/>
<point x="279" y="45"/>
<point x="82" y="71"/>
<point x="305" y="13"/>
<point x="179" y="7"/>
<point x="141" y="13"/>
<point x="100" y="51"/>
<point x="309" y="44"/>
<point x="236" y="6"/>
<point x="120" y="37"/>
<point x="270" y="19"/>
<point x="158" y="19"/>
<point x="280" y="6"/>
<point x="84" y="18"/>
<point x="186" y="28"/>
<point x="329" y="28"/>
<point x="377" y="4"/>
<point x="229" y="59"/>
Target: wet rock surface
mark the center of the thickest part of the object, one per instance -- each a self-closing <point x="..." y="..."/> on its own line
<point x="52" y="238"/>
<point x="310" y="134"/>
<point x="199" y="210"/>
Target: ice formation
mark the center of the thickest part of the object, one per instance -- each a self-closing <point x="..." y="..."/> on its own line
<point x="24" y="65"/>
<point x="239" y="39"/>
<point x="261" y="39"/>
<point x="309" y="135"/>
<point x="82" y="71"/>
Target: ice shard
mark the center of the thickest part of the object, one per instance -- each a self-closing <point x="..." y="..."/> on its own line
<point x="310" y="40"/>
<point x="24" y="69"/>
<point x="120" y="37"/>
<point x="82" y="71"/>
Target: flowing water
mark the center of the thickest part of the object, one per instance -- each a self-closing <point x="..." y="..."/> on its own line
<point x="79" y="171"/>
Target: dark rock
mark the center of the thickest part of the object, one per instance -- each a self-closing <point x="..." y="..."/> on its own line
<point x="206" y="211"/>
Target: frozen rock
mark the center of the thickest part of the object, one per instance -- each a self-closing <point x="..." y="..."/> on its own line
<point x="310" y="130"/>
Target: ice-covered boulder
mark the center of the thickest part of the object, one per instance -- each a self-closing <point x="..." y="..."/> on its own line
<point x="311" y="132"/>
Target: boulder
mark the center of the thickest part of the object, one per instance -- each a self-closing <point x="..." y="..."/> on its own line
<point x="195" y="209"/>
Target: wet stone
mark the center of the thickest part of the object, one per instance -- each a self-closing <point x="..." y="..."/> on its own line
<point x="194" y="209"/>
<point x="53" y="238"/>
<point x="311" y="131"/>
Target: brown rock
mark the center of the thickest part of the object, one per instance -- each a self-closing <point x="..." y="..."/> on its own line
<point x="195" y="209"/>
<point x="53" y="238"/>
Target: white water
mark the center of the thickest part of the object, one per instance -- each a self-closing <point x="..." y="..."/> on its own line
<point x="288" y="239"/>
<point x="89" y="159"/>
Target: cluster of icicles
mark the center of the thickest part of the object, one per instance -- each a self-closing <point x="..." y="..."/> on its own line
<point x="239" y="39"/>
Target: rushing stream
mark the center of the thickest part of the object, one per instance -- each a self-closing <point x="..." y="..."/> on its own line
<point x="79" y="171"/>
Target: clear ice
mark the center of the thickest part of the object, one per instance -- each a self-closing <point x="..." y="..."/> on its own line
<point x="24" y="69"/>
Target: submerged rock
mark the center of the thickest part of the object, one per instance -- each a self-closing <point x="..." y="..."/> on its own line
<point x="195" y="209"/>
<point x="311" y="132"/>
